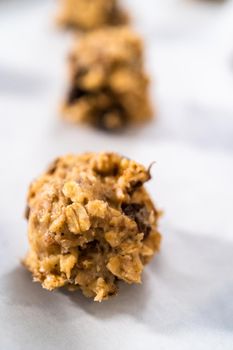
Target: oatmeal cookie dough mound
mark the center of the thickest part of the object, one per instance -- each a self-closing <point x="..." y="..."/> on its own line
<point x="108" y="85"/>
<point x="91" y="14"/>
<point x="91" y="223"/>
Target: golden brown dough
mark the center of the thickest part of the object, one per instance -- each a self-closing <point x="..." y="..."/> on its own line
<point x="108" y="85"/>
<point x="91" y="14"/>
<point x="91" y="223"/>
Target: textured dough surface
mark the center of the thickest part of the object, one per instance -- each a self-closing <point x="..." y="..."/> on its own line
<point x="91" y="223"/>
<point x="108" y="85"/>
<point x="91" y="14"/>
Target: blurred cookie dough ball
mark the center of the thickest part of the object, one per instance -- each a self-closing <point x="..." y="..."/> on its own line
<point x="91" y="14"/>
<point x="108" y="84"/>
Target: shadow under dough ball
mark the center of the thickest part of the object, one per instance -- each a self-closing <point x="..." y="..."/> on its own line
<point x="90" y="14"/>
<point x="91" y="223"/>
<point x="108" y="85"/>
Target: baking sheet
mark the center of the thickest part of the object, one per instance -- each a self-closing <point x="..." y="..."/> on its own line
<point x="185" y="300"/>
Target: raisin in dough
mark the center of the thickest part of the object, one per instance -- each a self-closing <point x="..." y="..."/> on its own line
<point x="91" y="14"/>
<point x="91" y="223"/>
<point x="108" y="85"/>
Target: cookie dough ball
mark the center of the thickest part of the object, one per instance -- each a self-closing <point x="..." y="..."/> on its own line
<point x="91" y="223"/>
<point x="108" y="85"/>
<point x="91" y="14"/>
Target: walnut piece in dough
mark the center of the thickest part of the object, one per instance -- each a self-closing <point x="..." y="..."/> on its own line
<point x="91" y="223"/>
<point x="91" y="14"/>
<point x="108" y="85"/>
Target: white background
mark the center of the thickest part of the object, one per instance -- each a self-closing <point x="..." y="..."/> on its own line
<point x="186" y="299"/>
